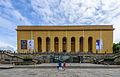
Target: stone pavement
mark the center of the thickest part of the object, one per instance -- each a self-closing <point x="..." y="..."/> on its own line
<point x="56" y="73"/>
<point x="6" y="66"/>
<point x="54" y="65"/>
<point x="68" y="65"/>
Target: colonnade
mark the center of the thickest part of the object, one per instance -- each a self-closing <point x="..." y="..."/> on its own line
<point x="64" y="44"/>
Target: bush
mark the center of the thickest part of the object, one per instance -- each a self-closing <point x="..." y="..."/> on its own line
<point x="7" y="59"/>
<point x="116" y="47"/>
<point x="109" y="59"/>
<point x="27" y="59"/>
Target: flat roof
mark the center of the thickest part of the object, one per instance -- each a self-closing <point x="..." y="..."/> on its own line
<point x="64" y="28"/>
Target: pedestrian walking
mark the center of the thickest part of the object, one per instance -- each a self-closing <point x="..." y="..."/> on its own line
<point x="60" y="65"/>
<point x="64" y="65"/>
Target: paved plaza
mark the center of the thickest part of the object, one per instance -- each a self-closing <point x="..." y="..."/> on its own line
<point x="54" y="72"/>
<point x="28" y="72"/>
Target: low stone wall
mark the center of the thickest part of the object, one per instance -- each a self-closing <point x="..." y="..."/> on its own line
<point x="46" y="58"/>
<point x="86" y="58"/>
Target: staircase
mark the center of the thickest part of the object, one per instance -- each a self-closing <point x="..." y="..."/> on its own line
<point x="113" y="57"/>
<point x="19" y="57"/>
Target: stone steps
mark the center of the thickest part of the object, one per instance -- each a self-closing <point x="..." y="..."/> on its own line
<point x="20" y="57"/>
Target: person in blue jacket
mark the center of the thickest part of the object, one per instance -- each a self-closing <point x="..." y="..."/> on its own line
<point x="60" y="65"/>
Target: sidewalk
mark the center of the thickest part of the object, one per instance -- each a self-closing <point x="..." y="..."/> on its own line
<point x="54" y="65"/>
<point x="6" y="66"/>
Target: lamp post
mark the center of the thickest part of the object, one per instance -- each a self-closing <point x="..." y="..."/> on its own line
<point x="119" y="48"/>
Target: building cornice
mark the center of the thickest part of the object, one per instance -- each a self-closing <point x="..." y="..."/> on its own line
<point x="64" y="28"/>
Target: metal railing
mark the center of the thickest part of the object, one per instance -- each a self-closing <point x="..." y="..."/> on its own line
<point x="57" y="53"/>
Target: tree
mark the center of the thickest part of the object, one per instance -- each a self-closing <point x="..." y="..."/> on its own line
<point x="116" y="47"/>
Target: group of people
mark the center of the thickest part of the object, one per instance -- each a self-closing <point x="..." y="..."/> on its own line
<point x="60" y="67"/>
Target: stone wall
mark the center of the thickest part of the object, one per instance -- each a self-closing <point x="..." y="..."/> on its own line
<point x="87" y="58"/>
<point x="45" y="58"/>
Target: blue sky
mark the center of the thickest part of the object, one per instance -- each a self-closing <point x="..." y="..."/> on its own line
<point x="55" y="12"/>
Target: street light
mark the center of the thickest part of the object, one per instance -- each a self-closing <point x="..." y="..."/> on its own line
<point x="119" y="47"/>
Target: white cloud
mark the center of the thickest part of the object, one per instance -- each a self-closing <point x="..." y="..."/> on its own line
<point x="9" y="19"/>
<point x="115" y="21"/>
<point x="7" y="41"/>
<point x="7" y="24"/>
<point x="80" y="12"/>
<point x="18" y="16"/>
<point x="60" y="12"/>
<point x="6" y="3"/>
<point x="11" y="13"/>
<point x="5" y="46"/>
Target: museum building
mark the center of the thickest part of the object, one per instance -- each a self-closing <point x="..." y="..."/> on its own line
<point x="86" y="38"/>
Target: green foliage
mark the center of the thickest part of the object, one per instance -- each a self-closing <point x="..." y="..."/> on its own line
<point x="108" y="58"/>
<point x="7" y="59"/>
<point x="116" y="47"/>
<point x="10" y="51"/>
<point x="30" y="58"/>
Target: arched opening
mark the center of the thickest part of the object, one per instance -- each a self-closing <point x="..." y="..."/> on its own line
<point x="81" y="44"/>
<point x="90" y="44"/>
<point x="39" y="44"/>
<point x="47" y="44"/>
<point x="64" y="44"/>
<point x="56" y="44"/>
<point x="73" y="44"/>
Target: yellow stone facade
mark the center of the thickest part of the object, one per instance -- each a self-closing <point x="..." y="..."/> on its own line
<point x="71" y="35"/>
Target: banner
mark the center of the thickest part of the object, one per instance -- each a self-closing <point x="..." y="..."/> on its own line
<point x="99" y="44"/>
<point x="30" y="44"/>
<point x="23" y="44"/>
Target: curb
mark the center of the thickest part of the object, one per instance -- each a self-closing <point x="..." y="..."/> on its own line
<point x="6" y="67"/>
<point x="76" y="67"/>
<point x="69" y="67"/>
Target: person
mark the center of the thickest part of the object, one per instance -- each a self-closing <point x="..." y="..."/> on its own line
<point x="64" y="65"/>
<point x="94" y="60"/>
<point x="60" y="66"/>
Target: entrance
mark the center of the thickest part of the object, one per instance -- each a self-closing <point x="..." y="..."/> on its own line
<point x="73" y="44"/>
<point x="90" y="44"/>
<point x="81" y="44"/>
<point x="47" y="44"/>
<point x="39" y="44"/>
<point x="56" y="44"/>
<point x="64" y="44"/>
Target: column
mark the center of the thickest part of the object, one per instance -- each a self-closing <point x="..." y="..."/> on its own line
<point x="76" y="44"/>
<point x="60" y="44"/>
<point x="68" y="44"/>
<point x="18" y="46"/>
<point x="94" y="45"/>
<point x="52" y="44"/>
<point x="35" y="42"/>
<point x="43" y="44"/>
<point x="85" y="48"/>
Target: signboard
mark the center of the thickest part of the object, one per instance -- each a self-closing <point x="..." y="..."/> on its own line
<point x="30" y="44"/>
<point x="23" y="44"/>
<point x="99" y="44"/>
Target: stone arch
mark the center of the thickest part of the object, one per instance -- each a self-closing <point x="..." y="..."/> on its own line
<point x="47" y="44"/>
<point x="64" y="42"/>
<point x="73" y="44"/>
<point x="90" y="43"/>
<point x="39" y="44"/>
<point x="81" y="44"/>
